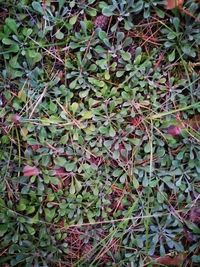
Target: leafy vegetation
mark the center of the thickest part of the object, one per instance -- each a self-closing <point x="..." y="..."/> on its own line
<point x="100" y="144"/>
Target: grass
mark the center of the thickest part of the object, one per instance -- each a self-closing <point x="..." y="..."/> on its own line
<point x="99" y="136"/>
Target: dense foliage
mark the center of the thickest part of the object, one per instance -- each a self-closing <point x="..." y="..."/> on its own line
<point x="90" y="173"/>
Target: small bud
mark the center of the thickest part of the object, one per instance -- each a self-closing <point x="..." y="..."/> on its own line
<point x="101" y="22"/>
<point x="174" y="130"/>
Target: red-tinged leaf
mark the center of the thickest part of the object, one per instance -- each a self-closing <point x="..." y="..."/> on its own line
<point x="195" y="215"/>
<point x="95" y="160"/>
<point x="29" y="171"/>
<point x="174" y="130"/>
<point x="15" y="119"/>
<point x="171" y="4"/>
<point x="35" y="147"/>
<point x="60" y="172"/>
<point x="136" y="121"/>
<point x="193" y="122"/>
<point x="170" y="261"/>
<point x="190" y="237"/>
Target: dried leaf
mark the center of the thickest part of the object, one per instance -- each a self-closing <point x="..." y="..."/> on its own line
<point x="193" y="122"/>
<point x="29" y="171"/>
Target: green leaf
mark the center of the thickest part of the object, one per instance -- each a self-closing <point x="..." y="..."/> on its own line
<point x="49" y="214"/>
<point x="73" y="84"/>
<point x="102" y="35"/>
<point x="35" y="219"/>
<point x="30" y="229"/>
<point x="87" y="115"/>
<point x="135" y="141"/>
<point x="60" y="161"/>
<point x="72" y="188"/>
<point x="70" y="166"/>
<point x="176" y="22"/>
<point x="53" y="107"/>
<point x="108" y="11"/>
<point x="123" y="178"/>
<point x="59" y="35"/>
<point x="61" y="4"/>
<point x="91" y="12"/>
<point x="13" y="63"/>
<point x="135" y="182"/>
<point x="37" y="7"/>
<point x="84" y="93"/>
<point x="171" y="35"/>
<point x="126" y="55"/>
<point x="3" y="229"/>
<point x="74" y="106"/>
<point x="73" y="20"/>
<point x="117" y="172"/>
<point x="27" y="31"/>
<point x="14" y="48"/>
<point x="106" y="76"/>
<point x="138" y="59"/>
<point x="120" y="73"/>
<point x="30" y="210"/>
<point x="160" y="13"/>
<point x="120" y="36"/>
<point x="102" y="63"/>
<point x="192" y="226"/>
<point x="147" y="148"/>
<point x="7" y="41"/>
<point x="112" y="132"/>
<point x="171" y="56"/>
<point x="32" y="53"/>
<point x="15" y="73"/>
<point x="78" y="185"/>
<point x="21" y="207"/>
<point x="196" y="258"/>
<point x="54" y="180"/>
<point x="160" y="152"/>
<point x="160" y="197"/>
<point x="12" y="25"/>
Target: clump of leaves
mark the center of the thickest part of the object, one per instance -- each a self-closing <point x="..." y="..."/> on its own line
<point x="99" y="133"/>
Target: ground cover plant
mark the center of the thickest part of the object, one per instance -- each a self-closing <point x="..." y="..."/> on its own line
<point x="99" y="133"/>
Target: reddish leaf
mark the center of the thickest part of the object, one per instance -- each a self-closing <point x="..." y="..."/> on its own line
<point x="170" y="261"/>
<point x="60" y="172"/>
<point x="35" y="147"/>
<point x="171" y="4"/>
<point x="29" y="171"/>
<point x="136" y="121"/>
<point x="95" y="160"/>
<point x="189" y="236"/>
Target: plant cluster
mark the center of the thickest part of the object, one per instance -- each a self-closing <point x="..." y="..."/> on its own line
<point x="99" y="141"/>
